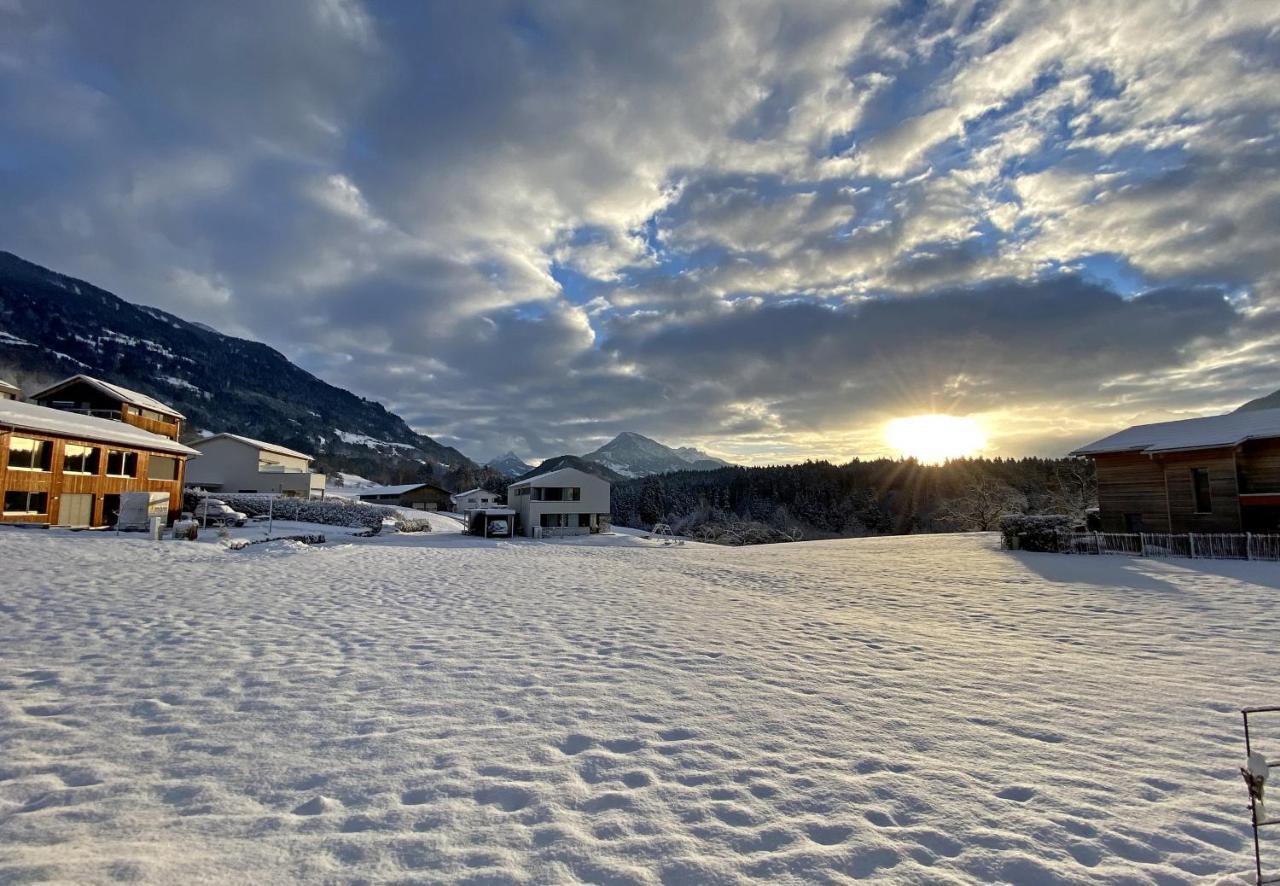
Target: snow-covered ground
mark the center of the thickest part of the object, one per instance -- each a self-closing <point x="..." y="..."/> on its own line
<point x="443" y="708"/>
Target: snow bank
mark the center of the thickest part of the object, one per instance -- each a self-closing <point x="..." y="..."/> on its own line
<point x="908" y="710"/>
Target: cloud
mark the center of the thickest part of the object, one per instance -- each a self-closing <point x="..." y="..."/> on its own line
<point x="754" y="226"/>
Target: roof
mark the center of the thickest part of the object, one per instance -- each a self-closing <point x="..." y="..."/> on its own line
<point x="477" y="489"/>
<point x="550" y="478"/>
<point x="124" y="395"/>
<point x="1214" y="432"/>
<point x="256" y="444"/>
<point x="9" y="386"/>
<point x="42" y="419"/>
<point x="493" y="512"/>
<point x="368" y="491"/>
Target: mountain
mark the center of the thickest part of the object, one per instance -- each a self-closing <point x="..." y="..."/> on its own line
<point x="510" y="465"/>
<point x="634" y="455"/>
<point x="53" y="326"/>
<point x="573" y="461"/>
<point x="1269" y="401"/>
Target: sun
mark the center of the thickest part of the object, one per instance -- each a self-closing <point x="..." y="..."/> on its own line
<point x="933" y="439"/>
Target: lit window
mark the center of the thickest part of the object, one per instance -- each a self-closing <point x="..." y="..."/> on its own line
<point x="77" y="459"/>
<point x="29" y="455"/>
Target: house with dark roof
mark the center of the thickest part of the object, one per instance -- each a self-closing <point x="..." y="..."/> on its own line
<point x="233" y="463"/>
<point x="1215" y="474"/>
<point x="418" y="496"/>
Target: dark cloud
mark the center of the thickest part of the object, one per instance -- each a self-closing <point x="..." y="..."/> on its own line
<point x="753" y="225"/>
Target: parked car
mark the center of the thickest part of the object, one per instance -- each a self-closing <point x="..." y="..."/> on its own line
<point x="216" y="512"/>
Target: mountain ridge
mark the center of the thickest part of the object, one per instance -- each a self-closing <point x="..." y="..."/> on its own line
<point x="53" y="325"/>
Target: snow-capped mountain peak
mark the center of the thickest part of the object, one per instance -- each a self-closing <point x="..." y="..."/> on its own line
<point x="635" y="455"/>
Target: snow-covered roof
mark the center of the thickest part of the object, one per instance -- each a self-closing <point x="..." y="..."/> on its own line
<point x="493" y="512"/>
<point x="559" y="475"/>
<point x="9" y="387"/>
<point x="256" y="444"/>
<point x="42" y="419"/>
<point x="124" y="395"/>
<point x="458" y="495"/>
<point x="366" y="491"/>
<point x="1214" y="432"/>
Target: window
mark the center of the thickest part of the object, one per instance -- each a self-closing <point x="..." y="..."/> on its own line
<point x="557" y="493"/>
<point x="77" y="459"/>
<point x="1200" y="489"/>
<point x="29" y="455"/>
<point x="26" y="503"/>
<point x="122" y="464"/>
<point x="160" y="467"/>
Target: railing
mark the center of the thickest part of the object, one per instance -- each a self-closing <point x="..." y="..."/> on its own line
<point x="1198" y="545"/>
<point x="563" y="531"/>
<point x="113" y="414"/>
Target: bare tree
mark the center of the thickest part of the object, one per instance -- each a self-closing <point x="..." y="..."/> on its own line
<point x="980" y="507"/>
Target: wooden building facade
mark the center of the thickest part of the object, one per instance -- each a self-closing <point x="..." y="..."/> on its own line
<point x="418" y="496"/>
<point x="1217" y="474"/>
<point x="70" y="469"/>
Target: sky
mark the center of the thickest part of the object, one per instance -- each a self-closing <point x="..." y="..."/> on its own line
<point x="764" y="229"/>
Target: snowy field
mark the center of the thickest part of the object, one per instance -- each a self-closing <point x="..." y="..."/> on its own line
<point x="446" y="709"/>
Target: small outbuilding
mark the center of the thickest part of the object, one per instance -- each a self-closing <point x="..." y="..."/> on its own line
<point x="418" y="496"/>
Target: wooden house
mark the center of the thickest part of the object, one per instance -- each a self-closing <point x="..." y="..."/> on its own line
<point x="86" y="395"/>
<point x="66" y="468"/>
<point x="419" y="496"/>
<point x="1215" y="474"/>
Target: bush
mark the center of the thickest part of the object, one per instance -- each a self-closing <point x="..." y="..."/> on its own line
<point x="412" y="524"/>
<point x="310" y="539"/>
<point x="1034" y="532"/>
<point x="329" y="511"/>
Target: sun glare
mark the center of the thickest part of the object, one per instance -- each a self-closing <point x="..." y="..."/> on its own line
<point x="934" y="438"/>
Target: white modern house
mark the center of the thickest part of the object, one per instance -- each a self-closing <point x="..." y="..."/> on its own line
<point x="473" y="499"/>
<point x="561" y="502"/>
<point x="232" y="463"/>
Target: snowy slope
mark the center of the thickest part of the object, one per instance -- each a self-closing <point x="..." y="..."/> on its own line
<point x="913" y="709"/>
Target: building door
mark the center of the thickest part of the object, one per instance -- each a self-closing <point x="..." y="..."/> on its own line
<point x="110" y="509"/>
<point x="75" y="510"/>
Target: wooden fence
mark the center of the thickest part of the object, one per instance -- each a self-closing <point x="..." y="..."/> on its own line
<point x="1198" y="545"/>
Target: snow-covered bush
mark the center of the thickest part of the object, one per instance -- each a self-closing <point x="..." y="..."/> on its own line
<point x="412" y="524"/>
<point x="329" y="511"/>
<point x="1034" y="532"/>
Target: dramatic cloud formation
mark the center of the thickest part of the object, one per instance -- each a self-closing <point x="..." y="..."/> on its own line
<point x="761" y="228"/>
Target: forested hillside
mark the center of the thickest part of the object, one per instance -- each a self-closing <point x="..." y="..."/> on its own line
<point x="881" y="497"/>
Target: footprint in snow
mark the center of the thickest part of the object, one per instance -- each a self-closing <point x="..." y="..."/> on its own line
<point x="317" y="805"/>
<point x="1016" y="793"/>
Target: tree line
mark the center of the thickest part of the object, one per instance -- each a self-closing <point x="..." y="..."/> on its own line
<point x="817" y="499"/>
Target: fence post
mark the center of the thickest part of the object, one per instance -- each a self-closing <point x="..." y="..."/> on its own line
<point x="1248" y="545"/>
<point x="1191" y="543"/>
<point x="1142" y="544"/>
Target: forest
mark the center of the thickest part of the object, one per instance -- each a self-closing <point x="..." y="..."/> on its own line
<point x="817" y="499"/>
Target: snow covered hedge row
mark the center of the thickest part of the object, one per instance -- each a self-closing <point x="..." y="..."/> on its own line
<point x="330" y="511"/>
<point x="1035" y="532"/>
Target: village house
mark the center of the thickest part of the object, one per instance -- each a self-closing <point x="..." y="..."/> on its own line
<point x="1216" y="474"/>
<point x="418" y="496"/>
<point x="474" y="499"/>
<point x="232" y="463"/>
<point x="86" y="395"/>
<point x="66" y="468"/>
<point x="9" y="391"/>
<point x="563" y="502"/>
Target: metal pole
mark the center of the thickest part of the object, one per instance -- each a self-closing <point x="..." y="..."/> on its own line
<point x="1253" y="805"/>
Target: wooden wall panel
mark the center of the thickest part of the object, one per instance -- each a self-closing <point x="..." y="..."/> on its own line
<point x="1131" y="483"/>
<point x="1259" y="462"/>
<point x="1225" y="516"/>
